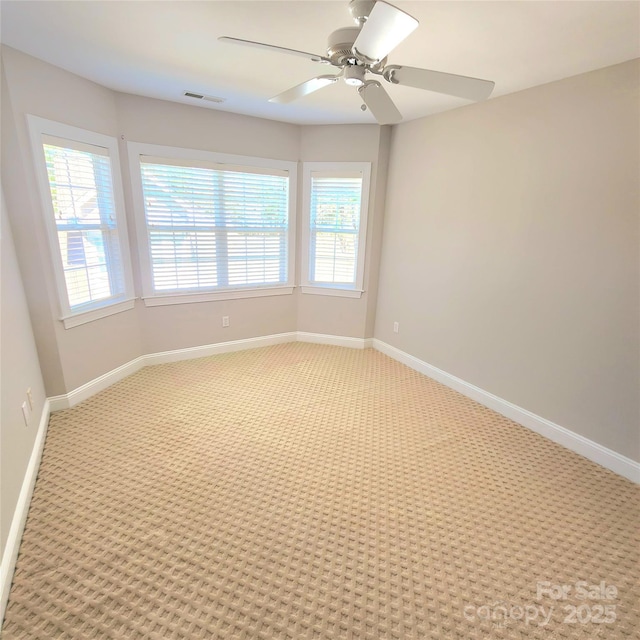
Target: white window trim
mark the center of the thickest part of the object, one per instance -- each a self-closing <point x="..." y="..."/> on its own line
<point x="326" y="290"/>
<point x="83" y="317"/>
<point x="315" y="288"/>
<point x="152" y="298"/>
<point x="99" y="309"/>
<point x="159" y="300"/>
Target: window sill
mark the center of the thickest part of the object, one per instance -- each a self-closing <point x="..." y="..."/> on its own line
<point x="211" y="296"/>
<point x="83" y="317"/>
<point x="331" y="291"/>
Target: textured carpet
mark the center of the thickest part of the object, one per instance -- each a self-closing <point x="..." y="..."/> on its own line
<point x="305" y="491"/>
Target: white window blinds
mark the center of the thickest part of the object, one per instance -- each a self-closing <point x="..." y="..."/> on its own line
<point x="215" y="226"/>
<point x="81" y="187"/>
<point x="334" y="228"/>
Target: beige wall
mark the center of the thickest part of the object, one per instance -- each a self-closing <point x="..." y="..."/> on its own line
<point x="78" y="355"/>
<point x="179" y="125"/>
<point x="19" y="370"/>
<point x="75" y="356"/>
<point x="510" y="240"/>
<point x="21" y="198"/>
<point x="352" y="317"/>
<point x="160" y="122"/>
<point x="511" y="250"/>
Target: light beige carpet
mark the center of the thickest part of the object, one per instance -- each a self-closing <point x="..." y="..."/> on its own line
<point x="312" y="492"/>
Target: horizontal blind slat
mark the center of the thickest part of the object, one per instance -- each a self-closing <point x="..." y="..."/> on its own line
<point x="81" y="190"/>
<point x="210" y="227"/>
<point x="335" y="209"/>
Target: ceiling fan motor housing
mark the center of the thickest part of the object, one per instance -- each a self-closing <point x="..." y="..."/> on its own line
<point x="339" y="48"/>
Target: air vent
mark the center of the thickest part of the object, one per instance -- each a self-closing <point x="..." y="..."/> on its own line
<point x="200" y="96"/>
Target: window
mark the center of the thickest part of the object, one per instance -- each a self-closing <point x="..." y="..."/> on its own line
<point x="213" y="225"/>
<point x="336" y="201"/>
<point x="82" y="200"/>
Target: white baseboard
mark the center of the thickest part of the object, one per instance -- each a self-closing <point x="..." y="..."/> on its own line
<point x="190" y="353"/>
<point x="66" y="401"/>
<point x="92" y="387"/>
<point x="12" y="546"/>
<point x="592" y="450"/>
<point x="612" y="460"/>
<point x="595" y="452"/>
<point x="337" y="341"/>
<point x="100" y="383"/>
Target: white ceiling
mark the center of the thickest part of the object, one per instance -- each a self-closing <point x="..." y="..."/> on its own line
<point x="162" y="48"/>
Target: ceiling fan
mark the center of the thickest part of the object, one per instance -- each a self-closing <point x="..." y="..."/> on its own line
<point x="362" y="51"/>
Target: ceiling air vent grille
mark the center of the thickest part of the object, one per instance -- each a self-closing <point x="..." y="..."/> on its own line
<point x="200" y="96"/>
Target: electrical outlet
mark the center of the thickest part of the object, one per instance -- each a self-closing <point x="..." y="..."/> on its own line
<point x="30" y="398"/>
<point x="225" y="321"/>
<point x="26" y="413"/>
<point x="396" y="327"/>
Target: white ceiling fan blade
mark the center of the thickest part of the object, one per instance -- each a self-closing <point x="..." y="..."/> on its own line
<point x="385" y="28"/>
<point x="379" y="103"/>
<point x="449" y="83"/>
<point x="271" y="47"/>
<point x="303" y="89"/>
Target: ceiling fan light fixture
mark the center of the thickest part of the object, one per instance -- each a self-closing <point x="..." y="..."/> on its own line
<point x="354" y="75"/>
